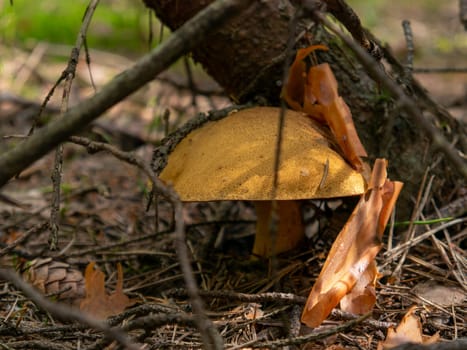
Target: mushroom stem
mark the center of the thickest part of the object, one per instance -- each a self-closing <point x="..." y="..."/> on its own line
<point x="279" y="227"/>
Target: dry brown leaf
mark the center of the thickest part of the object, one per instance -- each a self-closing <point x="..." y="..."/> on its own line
<point x="97" y="302"/>
<point x="294" y="90"/>
<point x="409" y="330"/>
<point x="333" y="109"/>
<point x="354" y="249"/>
<point x="316" y="93"/>
<point x="362" y="297"/>
<point x="441" y="294"/>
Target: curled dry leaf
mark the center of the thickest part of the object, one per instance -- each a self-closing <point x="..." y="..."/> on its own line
<point x="97" y="302"/>
<point x="361" y="299"/>
<point x="409" y="330"/>
<point x="352" y="255"/>
<point x="315" y="92"/>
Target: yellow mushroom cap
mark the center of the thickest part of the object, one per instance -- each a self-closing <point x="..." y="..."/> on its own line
<point x="233" y="159"/>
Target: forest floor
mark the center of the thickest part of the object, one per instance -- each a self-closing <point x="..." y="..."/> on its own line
<point x="103" y="218"/>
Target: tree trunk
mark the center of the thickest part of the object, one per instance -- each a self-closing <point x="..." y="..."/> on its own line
<point x="246" y="57"/>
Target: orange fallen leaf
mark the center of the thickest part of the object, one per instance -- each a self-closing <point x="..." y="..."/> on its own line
<point x="354" y="250"/>
<point x="97" y="302"/>
<point x="409" y="330"/>
<point x="315" y="92"/>
<point x="361" y="299"/>
<point x="294" y="90"/>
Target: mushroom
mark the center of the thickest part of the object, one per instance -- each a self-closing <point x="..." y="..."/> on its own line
<point x="233" y="159"/>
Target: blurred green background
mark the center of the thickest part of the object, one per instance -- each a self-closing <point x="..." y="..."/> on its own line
<point x="122" y="25"/>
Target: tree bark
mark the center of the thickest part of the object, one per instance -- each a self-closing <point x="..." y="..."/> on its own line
<point x="246" y="57"/>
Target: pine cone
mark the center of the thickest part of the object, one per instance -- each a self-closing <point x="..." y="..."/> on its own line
<point x="54" y="278"/>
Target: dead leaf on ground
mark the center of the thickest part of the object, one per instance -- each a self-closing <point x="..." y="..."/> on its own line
<point x="97" y="302"/>
<point x="408" y="331"/>
<point x="352" y="255"/>
<point x="443" y="295"/>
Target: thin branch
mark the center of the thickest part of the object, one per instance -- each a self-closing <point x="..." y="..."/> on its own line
<point x="280" y="343"/>
<point x="276" y="297"/>
<point x="347" y="16"/>
<point x="144" y="70"/>
<point x="463" y="12"/>
<point x="410" y="46"/>
<point x="396" y="251"/>
<point x="68" y="74"/>
<point x="34" y="231"/>
<point x="280" y="127"/>
<point x="442" y="70"/>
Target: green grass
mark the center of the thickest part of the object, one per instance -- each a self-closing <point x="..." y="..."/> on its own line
<point x="120" y="26"/>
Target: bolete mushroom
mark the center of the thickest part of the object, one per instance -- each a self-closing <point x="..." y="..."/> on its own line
<point x="233" y="159"/>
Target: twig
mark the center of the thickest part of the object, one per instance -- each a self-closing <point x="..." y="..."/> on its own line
<point x="280" y="127"/>
<point x="347" y="16"/>
<point x="44" y="330"/>
<point x="286" y="298"/>
<point x="35" y="344"/>
<point x="280" y="133"/>
<point x="157" y="320"/>
<point x="410" y="47"/>
<point x="150" y="322"/>
<point x="250" y="298"/>
<point x="191" y="82"/>
<point x="419" y="206"/>
<point x="65" y="313"/>
<point x="29" y="66"/>
<point x="36" y="230"/>
<point x="402" y="247"/>
<point x="109" y="247"/>
<point x="144" y="70"/>
<point x="67" y="75"/>
<point x="87" y="56"/>
<point x="463" y="12"/>
<point x="279" y="343"/>
<point x="461" y="278"/>
<point x="294" y="325"/>
<point x="154" y="236"/>
<point x="441" y="70"/>
<point x="456" y="208"/>
<point x="404" y="102"/>
<point x="150" y="29"/>
<point x="13" y="202"/>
